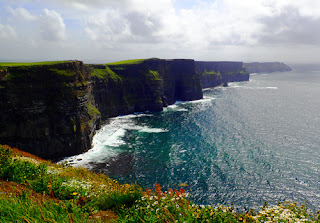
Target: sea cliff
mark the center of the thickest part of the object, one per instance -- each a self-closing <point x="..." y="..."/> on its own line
<point x="216" y="73"/>
<point x="267" y="67"/>
<point x="52" y="110"/>
<point x="48" y="110"/>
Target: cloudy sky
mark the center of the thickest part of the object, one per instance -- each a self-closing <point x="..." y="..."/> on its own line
<point x="112" y="30"/>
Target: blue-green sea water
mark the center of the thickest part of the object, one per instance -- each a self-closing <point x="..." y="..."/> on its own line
<point x="244" y="144"/>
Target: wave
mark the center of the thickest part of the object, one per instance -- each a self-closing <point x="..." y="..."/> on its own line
<point x="237" y="85"/>
<point x="109" y="138"/>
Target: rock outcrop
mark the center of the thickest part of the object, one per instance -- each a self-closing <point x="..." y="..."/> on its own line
<point x="268" y="67"/>
<point x="216" y="73"/>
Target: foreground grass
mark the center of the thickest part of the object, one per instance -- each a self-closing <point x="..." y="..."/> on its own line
<point x="47" y="192"/>
<point x="23" y="208"/>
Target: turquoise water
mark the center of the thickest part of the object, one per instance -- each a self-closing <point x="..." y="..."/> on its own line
<point x="245" y="144"/>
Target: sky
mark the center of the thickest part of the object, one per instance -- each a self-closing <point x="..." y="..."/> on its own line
<point x="98" y="31"/>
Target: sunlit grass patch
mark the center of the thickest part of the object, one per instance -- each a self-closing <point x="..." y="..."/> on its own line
<point x="127" y="62"/>
<point x="15" y="64"/>
<point x="25" y="208"/>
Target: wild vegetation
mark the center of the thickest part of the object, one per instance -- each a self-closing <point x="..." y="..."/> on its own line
<point x="35" y="190"/>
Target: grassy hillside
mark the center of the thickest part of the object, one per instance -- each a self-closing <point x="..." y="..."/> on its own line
<point x="35" y="190"/>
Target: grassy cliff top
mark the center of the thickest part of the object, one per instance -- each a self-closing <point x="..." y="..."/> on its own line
<point x="15" y="64"/>
<point x="127" y="62"/>
<point x="130" y="62"/>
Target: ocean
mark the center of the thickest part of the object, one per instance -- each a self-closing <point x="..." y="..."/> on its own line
<point x="241" y="145"/>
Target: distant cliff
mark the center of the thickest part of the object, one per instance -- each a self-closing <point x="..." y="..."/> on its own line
<point x="216" y="73"/>
<point x="268" y="67"/>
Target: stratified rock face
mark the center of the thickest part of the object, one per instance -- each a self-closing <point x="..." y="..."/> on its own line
<point x="141" y="86"/>
<point x="108" y="92"/>
<point x="268" y="67"/>
<point x="154" y="83"/>
<point x="48" y="110"/>
<point x="180" y="81"/>
<point x="215" y="73"/>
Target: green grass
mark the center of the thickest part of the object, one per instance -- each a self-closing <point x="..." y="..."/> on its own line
<point x="152" y="75"/>
<point x="105" y="74"/>
<point x="66" y="183"/>
<point x="127" y="62"/>
<point x="64" y="72"/>
<point x="14" y="64"/>
<point x="24" y="208"/>
<point x="93" y="110"/>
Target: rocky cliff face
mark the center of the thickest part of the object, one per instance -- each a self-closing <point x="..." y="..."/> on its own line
<point x="216" y="73"/>
<point x="48" y="110"/>
<point x="53" y="110"/>
<point x="266" y="67"/>
<point x="155" y="83"/>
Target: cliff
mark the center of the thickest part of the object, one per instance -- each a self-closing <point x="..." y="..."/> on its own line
<point x="266" y="67"/>
<point x="216" y="73"/>
<point x="48" y="110"/>
<point x="53" y="110"/>
<point x="151" y="84"/>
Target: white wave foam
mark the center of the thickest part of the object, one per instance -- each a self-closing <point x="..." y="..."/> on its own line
<point x="175" y="107"/>
<point x="251" y="88"/>
<point x="106" y="141"/>
<point x="204" y="100"/>
<point x="152" y="130"/>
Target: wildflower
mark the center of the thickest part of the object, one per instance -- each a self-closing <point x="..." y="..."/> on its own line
<point x="74" y="193"/>
<point x="202" y="206"/>
<point x="155" y="203"/>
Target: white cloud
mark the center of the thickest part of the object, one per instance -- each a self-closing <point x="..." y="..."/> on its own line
<point x="7" y="32"/>
<point x="52" y="26"/>
<point x="22" y="14"/>
<point x="157" y="28"/>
